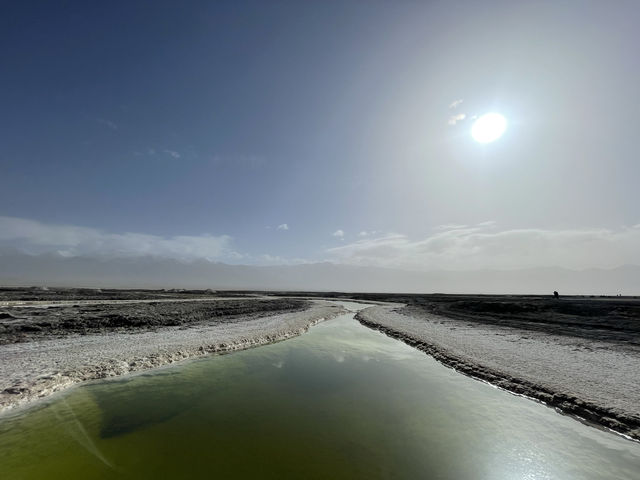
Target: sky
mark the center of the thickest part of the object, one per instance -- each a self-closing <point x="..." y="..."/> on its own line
<point x="277" y="133"/>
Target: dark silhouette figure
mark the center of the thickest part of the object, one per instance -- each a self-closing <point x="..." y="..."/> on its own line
<point x="555" y="294"/>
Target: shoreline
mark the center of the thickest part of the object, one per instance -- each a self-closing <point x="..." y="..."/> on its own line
<point x="579" y="371"/>
<point x="623" y="424"/>
<point x="34" y="371"/>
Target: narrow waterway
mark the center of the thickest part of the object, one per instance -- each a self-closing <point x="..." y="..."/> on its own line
<point x="339" y="402"/>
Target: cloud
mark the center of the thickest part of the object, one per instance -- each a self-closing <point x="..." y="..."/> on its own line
<point x="449" y="226"/>
<point x="108" y="123"/>
<point x="368" y="233"/>
<point x="152" y="152"/>
<point x="267" y="259"/>
<point x="488" y="223"/>
<point x="453" y="119"/>
<point x="482" y="247"/>
<point x="338" y="233"/>
<point x="456" y="103"/>
<point x="35" y="237"/>
<point x="282" y="226"/>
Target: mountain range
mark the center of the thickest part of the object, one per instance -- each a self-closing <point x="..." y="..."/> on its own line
<point x="17" y="268"/>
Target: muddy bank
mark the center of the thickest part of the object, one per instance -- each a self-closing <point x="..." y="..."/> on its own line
<point x="593" y="379"/>
<point x="38" y="368"/>
<point x="45" y="294"/>
<point x="607" y="319"/>
<point x="29" y="322"/>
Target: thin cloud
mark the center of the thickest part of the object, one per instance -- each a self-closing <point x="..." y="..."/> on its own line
<point x="456" y="103"/>
<point x="488" y="223"/>
<point x="107" y="123"/>
<point x="35" y="237"/>
<point x="449" y="226"/>
<point x="338" y="233"/>
<point x="453" y="119"/>
<point x="282" y="226"/>
<point x="266" y="259"/>
<point x="152" y="152"/>
<point x="482" y="247"/>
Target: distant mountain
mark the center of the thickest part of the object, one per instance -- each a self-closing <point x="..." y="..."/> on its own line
<point x="55" y="270"/>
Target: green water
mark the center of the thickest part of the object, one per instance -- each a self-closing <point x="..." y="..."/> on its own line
<point x="340" y="402"/>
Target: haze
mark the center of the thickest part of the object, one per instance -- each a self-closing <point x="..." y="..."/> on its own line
<point x="149" y="143"/>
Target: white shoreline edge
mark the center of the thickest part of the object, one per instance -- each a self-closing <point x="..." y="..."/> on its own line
<point x="38" y="370"/>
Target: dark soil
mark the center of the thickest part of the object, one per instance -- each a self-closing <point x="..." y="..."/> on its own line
<point x="612" y="319"/>
<point x="604" y="319"/>
<point x="24" y="324"/>
<point x="54" y="294"/>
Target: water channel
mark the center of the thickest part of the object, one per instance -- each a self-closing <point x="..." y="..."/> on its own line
<point x="340" y="402"/>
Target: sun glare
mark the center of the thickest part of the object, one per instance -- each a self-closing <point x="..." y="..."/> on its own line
<point x="488" y="128"/>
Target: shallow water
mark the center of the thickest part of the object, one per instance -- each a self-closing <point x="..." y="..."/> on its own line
<point x="341" y="401"/>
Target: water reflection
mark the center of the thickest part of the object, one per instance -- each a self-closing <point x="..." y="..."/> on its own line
<point x="340" y="402"/>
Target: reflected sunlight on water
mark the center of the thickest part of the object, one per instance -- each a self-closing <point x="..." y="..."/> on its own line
<point x="339" y="402"/>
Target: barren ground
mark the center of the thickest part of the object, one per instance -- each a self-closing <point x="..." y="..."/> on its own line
<point x="48" y="344"/>
<point x="581" y="355"/>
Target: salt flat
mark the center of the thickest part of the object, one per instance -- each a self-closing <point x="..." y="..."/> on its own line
<point x="593" y="378"/>
<point x="42" y="365"/>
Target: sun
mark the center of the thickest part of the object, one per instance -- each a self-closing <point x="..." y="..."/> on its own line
<point x="488" y="128"/>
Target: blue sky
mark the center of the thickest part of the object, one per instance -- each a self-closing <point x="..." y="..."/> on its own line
<point x="219" y="121"/>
